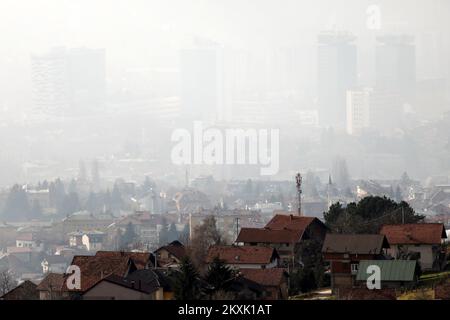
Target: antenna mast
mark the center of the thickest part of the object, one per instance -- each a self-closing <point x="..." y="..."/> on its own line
<point x="298" y="180"/>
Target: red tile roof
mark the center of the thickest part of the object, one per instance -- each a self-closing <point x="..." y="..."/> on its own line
<point x="419" y="233"/>
<point x="140" y="259"/>
<point x="175" y="248"/>
<point x="242" y="254"/>
<point x="282" y="228"/>
<point x="53" y="281"/>
<point x="289" y="222"/>
<point x="266" y="277"/>
<point x="25" y="291"/>
<point x="95" y="268"/>
<point x="256" y="235"/>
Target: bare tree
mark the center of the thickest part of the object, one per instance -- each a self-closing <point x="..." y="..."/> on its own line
<point x="204" y="236"/>
<point x="7" y="283"/>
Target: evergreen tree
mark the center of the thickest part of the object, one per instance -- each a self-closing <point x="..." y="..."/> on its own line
<point x="164" y="233"/>
<point x="129" y="237"/>
<point x="17" y="207"/>
<point x="368" y="215"/>
<point x="186" y="282"/>
<point x="172" y="234"/>
<point x="218" y="275"/>
<point x="70" y="204"/>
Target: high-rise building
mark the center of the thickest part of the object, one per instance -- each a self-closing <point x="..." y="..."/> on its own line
<point x="69" y="82"/>
<point x="202" y="86"/>
<point x="395" y="65"/>
<point x="386" y="110"/>
<point x="358" y="108"/>
<point x="336" y="68"/>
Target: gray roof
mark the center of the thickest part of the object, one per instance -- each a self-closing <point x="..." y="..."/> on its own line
<point x="354" y="243"/>
<point x="391" y="270"/>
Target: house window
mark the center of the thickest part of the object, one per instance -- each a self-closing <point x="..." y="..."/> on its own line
<point x="354" y="267"/>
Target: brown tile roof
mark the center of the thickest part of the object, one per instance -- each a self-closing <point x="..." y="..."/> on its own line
<point x="289" y="222"/>
<point x="354" y="243"/>
<point x="419" y="233"/>
<point x="25" y="291"/>
<point x="282" y="228"/>
<point x="53" y="281"/>
<point x="266" y="277"/>
<point x="242" y="254"/>
<point x="140" y="259"/>
<point x="95" y="268"/>
<point x="262" y="235"/>
<point x="175" y="248"/>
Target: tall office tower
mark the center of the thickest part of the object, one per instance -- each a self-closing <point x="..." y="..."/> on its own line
<point x="386" y="110"/>
<point x="336" y="74"/>
<point x="358" y="110"/>
<point x="202" y="82"/>
<point x="395" y="65"/>
<point x="68" y="82"/>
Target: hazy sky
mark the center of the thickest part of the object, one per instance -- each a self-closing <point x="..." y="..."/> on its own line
<point x="143" y="34"/>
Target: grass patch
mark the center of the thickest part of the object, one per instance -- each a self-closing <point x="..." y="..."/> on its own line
<point x="419" y="294"/>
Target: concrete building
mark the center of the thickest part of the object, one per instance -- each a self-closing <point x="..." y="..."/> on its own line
<point x="358" y="110"/>
<point x="336" y="73"/>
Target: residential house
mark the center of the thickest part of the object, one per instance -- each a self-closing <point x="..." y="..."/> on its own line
<point x="92" y="270"/>
<point x="398" y="274"/>
<point x="84" y="220"/>
<point x="93" y="240"/>
<point x="423" y="240"/>
<point x="274" y="281"/>
<point x="144" y="284"/>
<point x="29" y="240"/>
<point x="116" y="267"/>
<point x="52" y="287"/>
<point x="142" y="260"/>
<point x="345" y="251"/>
<point x="75" y="239"/>
<point x="170" y="256"/>
<point x="284" y="233"/>
<point x="244" y="257"/>
<point x="22" y="253"/>
<point x="228" y="222"/>
<point x="25" y="291"/>
<point x="54" y="264"/>
<point x="145" y="226"/>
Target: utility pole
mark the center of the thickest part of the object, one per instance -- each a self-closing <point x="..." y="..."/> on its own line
<point x="298" y="180"/>
<point x="237" y="227"/>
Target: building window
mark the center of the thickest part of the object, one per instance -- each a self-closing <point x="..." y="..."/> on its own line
<point x="354" y="267"/>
